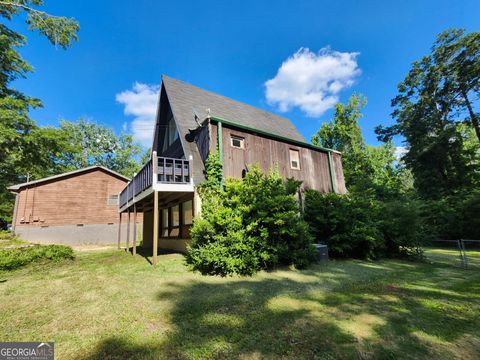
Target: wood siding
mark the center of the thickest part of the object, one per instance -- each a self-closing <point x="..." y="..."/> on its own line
<point x="268" y="153"/>
<point x="76" y="199"/>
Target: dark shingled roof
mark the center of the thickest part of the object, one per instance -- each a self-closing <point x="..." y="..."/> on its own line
<point x="184" y="98"/>
<point x="17" y="187"/>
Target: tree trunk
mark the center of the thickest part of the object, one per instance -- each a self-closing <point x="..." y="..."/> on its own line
<point x="473" y="118"/>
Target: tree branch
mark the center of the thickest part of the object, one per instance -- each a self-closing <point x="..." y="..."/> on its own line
<point x="28" y="9"/>
<point x="473" y="117"/>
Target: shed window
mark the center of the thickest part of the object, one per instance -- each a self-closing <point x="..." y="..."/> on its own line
<point x="294" y="159"/>
<point x="237" y="141"/>
<point x="112" y="200"/>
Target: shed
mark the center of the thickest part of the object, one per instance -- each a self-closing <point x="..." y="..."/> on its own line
<point x="77" y="207"/>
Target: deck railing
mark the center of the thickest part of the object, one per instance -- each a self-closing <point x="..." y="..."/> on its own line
<point x="157" y="169"/>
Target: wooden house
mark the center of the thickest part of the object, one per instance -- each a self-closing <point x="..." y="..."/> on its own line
<point x="78" y="207"/>
<point x="191" y="123"/>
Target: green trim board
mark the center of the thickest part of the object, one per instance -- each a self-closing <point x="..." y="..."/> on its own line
<point x="332" y="171"/>
<point x="220" y="120"/>
<point x="220" y="141"/>
<point x="220" y="144"/>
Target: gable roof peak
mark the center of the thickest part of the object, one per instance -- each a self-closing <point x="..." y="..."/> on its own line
<point x="184" y="98"/>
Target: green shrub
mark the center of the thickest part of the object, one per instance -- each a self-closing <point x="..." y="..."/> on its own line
<point x="18" y="257"/>
<point x="248" y="225"/>
<point x="404" y="227"/>
<point x="454" y="217"/>
<point x="348" y="224"/>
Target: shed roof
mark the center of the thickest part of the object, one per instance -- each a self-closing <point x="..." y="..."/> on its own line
<point x="17" y="187"/>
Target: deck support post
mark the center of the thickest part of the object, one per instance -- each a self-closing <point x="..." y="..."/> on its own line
<point x="134" y="252"/>
<point x="128" y="232"/>
<point x="155" y="205"/>
<point x="119" y="229"/>
<point x="155" y="227"/>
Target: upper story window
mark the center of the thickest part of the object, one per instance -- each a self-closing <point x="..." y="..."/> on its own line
<point x="294" y="159"/>
<point x="237" y="141"/>
<point x="112" y="200"/>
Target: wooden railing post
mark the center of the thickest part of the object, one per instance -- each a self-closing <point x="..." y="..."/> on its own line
<point x="190" y="168"/>
<point x="155" y="168"/>
<point x="134" y="180"/>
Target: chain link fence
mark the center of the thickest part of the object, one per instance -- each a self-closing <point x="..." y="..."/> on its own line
<point x="463" y="253"/>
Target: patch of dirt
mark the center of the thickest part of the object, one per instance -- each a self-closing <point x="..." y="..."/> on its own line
<point x="92" y="247"/>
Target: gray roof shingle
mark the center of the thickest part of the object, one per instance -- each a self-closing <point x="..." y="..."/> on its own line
<point x="17" y="187"/>
<point x="184" y="98"/>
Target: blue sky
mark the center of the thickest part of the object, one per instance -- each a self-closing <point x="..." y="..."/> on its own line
<point x="234" y="48"/>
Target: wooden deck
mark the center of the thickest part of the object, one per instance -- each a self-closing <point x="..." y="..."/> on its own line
<point x="158" y="174"/>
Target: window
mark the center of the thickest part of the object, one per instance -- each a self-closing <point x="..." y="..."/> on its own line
<point x="175" y="222"/>
<point x="294" y="159"/>
<point x="187" y="212"/>
<point x="164" y="232"/>
<point x="112" y="200"/>
<point x="237" y="141"/>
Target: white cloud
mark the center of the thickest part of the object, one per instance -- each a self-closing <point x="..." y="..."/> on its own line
<point x="312" y="81"/>
<point x="140" y="102"/>
<point x="399" y="152"/>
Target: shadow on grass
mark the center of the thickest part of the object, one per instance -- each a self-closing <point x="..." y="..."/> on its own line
<point x="303" y="316"/>
<point x="147" y="253"/>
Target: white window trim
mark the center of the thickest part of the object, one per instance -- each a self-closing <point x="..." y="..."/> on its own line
<point x="240" y="138"/>
<point x="292" y="160"/>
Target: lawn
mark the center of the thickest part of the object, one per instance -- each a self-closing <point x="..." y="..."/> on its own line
<point x="109" y="305"/>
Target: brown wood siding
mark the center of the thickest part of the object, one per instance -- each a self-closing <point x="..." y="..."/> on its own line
<point x="77" y="199"/>
<point x="269" y="153"/>
<point x="339" y="178"/>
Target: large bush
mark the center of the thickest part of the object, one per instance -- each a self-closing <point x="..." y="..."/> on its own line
<point x="248" y="225"/>
<point x="346" y="223"/>
<point x="361" y="226"/>
<point x="17" y="257"/>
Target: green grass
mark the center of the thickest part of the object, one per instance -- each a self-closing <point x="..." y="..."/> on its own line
<point x="8" y="240"/>
<point x="107" y="304"/>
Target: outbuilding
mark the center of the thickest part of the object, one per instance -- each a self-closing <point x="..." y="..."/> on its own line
<point x="73" y="208"/>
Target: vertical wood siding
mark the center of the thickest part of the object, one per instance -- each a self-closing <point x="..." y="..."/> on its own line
<point x="269" y="153"/>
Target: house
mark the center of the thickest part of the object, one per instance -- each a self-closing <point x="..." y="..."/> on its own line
<point x="77" y="207"/>
<point x="190" y="124"/>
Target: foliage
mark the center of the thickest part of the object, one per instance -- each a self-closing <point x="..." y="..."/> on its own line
<point x="213" y="172"/>
<point x="20" y="256"/>
<point x="436" y="101"/>
<point x="361" y="226"/>
<point x="454" y="217"/>
<point x="248" y="225"/>
<point x="93" y="144"/>
<point x="26" y="148"/>
<point x="59" y="30"/>
<point x="365" y="167"/>
<point x="346" y="223"/>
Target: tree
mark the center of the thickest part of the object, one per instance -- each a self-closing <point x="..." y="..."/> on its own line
<point x="94" y="144"/>
<point x="434" y="99"/>
<point x="365" y="167"/>
<point x="25" y="147"/>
